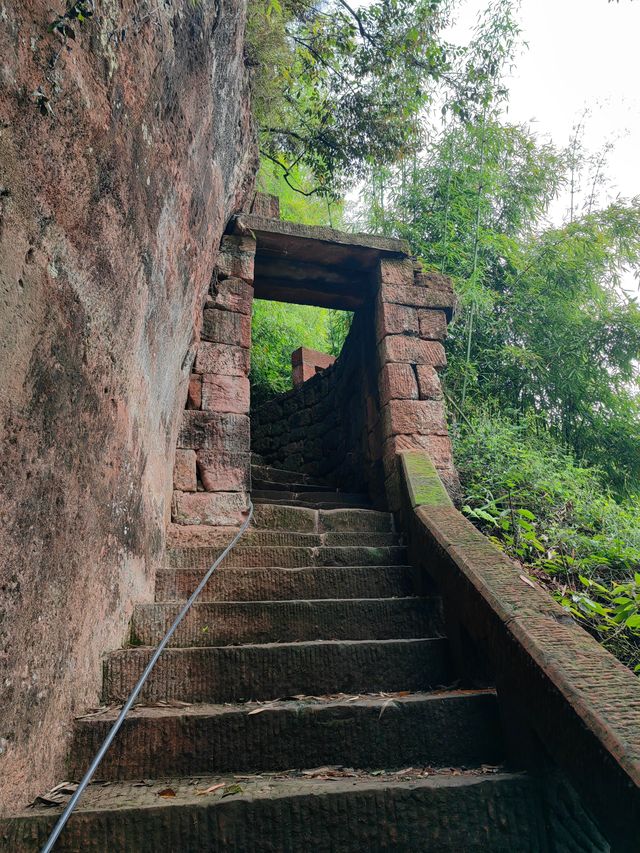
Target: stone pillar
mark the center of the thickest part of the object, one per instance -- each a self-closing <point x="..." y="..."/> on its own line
<point x="212" y="469"/>
<point x="412" y="309"/>
<point x="305" y="363"/>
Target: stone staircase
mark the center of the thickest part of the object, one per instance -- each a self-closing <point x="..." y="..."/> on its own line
<point x="306" y="702"/>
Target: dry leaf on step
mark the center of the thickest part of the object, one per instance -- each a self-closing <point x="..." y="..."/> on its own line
<point x="167" y="793"/>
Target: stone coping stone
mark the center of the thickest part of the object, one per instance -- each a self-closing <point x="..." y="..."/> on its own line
<point x="582" y="703"/>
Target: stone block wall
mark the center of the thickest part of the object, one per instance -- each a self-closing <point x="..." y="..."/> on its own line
<point x="411" y="313"/>
<point x="323" y="427"/>
<point x="211" y="476"/>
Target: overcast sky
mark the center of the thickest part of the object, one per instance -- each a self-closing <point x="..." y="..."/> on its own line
<point x="581" y="53"/>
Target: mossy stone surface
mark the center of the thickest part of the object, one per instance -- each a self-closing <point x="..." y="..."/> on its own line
<point x="423" y="483"/>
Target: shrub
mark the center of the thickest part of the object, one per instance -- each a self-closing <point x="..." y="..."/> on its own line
<point x="557" y="517"/>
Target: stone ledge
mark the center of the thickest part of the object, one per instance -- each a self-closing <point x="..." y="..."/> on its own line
<point x="581" y="702"/>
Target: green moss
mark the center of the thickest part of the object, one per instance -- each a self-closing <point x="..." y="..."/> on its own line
<point x="423" y="483"/>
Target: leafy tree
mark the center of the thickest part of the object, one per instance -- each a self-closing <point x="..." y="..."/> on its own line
<point x="545" y="325"/>
<point x="314" y="209"/>
<point x="278" y="329"/>
<point x="339" y="87"/>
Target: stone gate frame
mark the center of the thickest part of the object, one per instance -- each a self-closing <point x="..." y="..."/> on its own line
<point x="263" y="256"/>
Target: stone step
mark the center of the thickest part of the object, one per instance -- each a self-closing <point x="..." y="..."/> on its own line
<point x="435" y="813"/>
<point x="304" y="520"/>
<point x="288" y="557"/>
<point x="277" y="670"/>
<point x="242" y="622"/>
<point x="278" y="538"/>
<point x="199" y="536"/>
<point x="273" y="584"/>
<point x="258" y="484"/>
<point x="313" y="499"/>
<point x="449" y="729"/>
<point x="284" y="476"/>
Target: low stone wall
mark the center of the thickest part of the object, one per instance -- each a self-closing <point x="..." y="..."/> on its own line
<point x="565" y="700"/>
<point x="322" y="427"/>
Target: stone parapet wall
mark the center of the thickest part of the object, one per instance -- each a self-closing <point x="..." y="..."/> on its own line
<point x="211" y="477"/>
<point x="322" y="427"/>
<point x="566" y="702"/>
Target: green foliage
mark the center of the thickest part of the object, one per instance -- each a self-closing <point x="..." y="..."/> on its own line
<point x="338" y="88"/>
<point x="530" y="496"/>
<point x="277" y="330"/>
<point x="544" y="325"/>
<point x="294" y="206"/>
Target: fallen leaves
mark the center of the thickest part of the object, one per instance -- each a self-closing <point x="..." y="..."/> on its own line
<point x="167" y="793"/>
<point x="57" y="796"/>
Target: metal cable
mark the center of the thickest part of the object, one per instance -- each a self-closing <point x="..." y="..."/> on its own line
<point x="64" y="817"/>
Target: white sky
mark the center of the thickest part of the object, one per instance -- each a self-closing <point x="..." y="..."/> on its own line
<point x="581" y="53"/>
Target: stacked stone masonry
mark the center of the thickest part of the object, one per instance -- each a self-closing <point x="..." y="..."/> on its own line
<point x="321" y="427"/>
<point x="305" y="363"/>
<point x="212" y="463"/>
<point x="412" y="309"/>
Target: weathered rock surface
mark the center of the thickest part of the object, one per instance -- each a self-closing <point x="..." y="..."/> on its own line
<point x="115" y="186"/>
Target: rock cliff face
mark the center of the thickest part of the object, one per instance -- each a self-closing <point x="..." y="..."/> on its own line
<point x="122" y="154"/>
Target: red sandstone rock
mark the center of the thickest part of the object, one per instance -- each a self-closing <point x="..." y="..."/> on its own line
<point x="223" y="471"/>
<point x="222" y="359"/>
<point x="418" y="297"/>
<point x="437" y="446"/>
<point x="395" y="320"/>
<point x="197" y="536"/>
<point x="217" y="509"/>
<point x="404" y="417"/>
<point x="236" y="257"/>
<point x="433" y="324"/>
<point x="109" y="229"/>
<point x="266" y="205"/>
<point x="428" y="383"/>
<point x="433" y="280"/>
<point x="194" y="394"/>
<point x="184" y="471"/>
<point x="396" y="271"/>
<point x="307" y="362"/>
<point x="411" y="350"/>
<point x="225" y="327"/>
<point x="225" y="393"/>
<point x="214" y="431"/>
<point x="397" y="382"/>
<point x="232" y="294"/>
